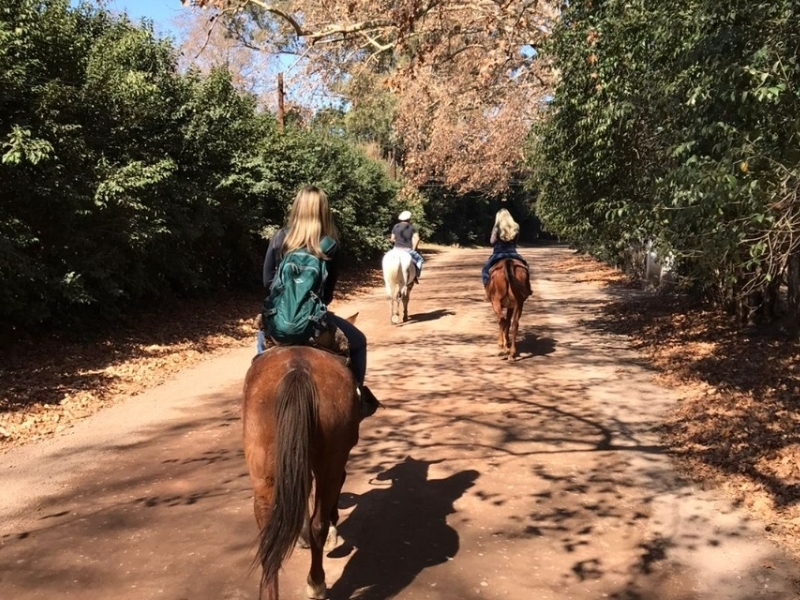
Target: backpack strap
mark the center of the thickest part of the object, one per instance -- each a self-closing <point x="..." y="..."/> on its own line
<point x="326" y="244"/>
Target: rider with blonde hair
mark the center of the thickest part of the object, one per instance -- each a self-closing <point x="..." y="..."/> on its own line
<point x="309" y="222"/>
<point x="504" y="244"/>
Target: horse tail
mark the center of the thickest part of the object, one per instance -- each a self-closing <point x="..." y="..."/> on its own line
<point x="296" y="420"/>
<point x="391" y="274"/>
<point x="511" y="278"/>
<point x="402" y="278"/>
<point x="395" y="280"/>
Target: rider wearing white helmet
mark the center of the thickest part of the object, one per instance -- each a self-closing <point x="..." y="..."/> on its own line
<point x="406" y="237"/>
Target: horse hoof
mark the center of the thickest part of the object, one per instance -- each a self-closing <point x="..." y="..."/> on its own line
<point x="395" y="319"/>
<point x="317" y="592"/>
<point x="332" y="540"/>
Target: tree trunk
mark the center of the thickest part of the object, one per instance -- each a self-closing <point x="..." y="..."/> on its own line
<point x="793" y="276"/>
<point x="280" y="101"/>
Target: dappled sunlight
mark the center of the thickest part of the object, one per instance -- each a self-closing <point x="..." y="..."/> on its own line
<point x="539" y="478"/>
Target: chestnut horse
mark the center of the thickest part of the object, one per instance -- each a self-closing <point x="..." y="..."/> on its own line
<point x="301" y="416"/>
<point x="399" y="273"/>
<point x="507" y="290"/>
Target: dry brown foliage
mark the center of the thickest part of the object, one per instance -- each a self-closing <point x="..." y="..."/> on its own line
<point x="738" y="424"/>
<point x="466" y="74"/>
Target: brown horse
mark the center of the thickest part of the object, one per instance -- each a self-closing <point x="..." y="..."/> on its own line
<point x="301" y="415"/>
<point x="507" y="290"/>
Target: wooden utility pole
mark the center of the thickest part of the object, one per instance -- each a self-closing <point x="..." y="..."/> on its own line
<point x="280" y="101"/>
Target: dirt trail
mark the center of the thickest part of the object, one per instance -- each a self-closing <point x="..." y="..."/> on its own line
<point x="482" y="479"/>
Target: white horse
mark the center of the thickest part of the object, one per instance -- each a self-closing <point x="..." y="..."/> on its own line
<point x="399" y="273"/>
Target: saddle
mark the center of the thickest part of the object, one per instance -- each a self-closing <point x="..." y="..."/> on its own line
<point x="499" y="263"/>
<point x="331" y="340"/>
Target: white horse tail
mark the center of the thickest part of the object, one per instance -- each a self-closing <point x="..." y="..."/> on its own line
<point x="391" y="276"/>
<point x="402" y="276"/>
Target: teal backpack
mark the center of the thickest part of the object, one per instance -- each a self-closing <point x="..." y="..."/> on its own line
<point x="293" y="312"/>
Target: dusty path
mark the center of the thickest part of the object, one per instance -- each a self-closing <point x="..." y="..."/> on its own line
<point x="482" y="479"/>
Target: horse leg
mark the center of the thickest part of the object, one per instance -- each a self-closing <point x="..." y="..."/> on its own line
<point x="305" y="534"/>
<point x="514" y="329"/>
<point x="405" y="304"/>
<point x="316" y="588"/>
<point x="498" y="311"/>
<point x="326" y="501"/>
<point x="262" y="498"/>
<point x="501" y="336"/>
<point x="510" y="342"/>
<point x="395" y="308"/>
<point x="332" y="540"/>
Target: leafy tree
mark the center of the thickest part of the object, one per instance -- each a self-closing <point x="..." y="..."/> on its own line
<point x="126" y="181"/>
<point x="677" y="123"/>
<point x="465" y="74"/>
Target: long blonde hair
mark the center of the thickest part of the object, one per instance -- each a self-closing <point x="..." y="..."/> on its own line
<point x="309" y="221"/>
<point x="506" y="225"/>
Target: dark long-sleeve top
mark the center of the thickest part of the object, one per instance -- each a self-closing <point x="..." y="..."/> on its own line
<point x="273" y="259"/>
<point x="499" y="245"/>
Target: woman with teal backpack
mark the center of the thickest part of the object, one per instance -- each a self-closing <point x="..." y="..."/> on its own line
<point x="310" y="229"/>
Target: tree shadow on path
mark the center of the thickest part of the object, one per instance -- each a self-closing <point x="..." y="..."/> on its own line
<point x="399" y="531"/>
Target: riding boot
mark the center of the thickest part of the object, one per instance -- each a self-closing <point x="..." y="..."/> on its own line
<point x="369" y="403"/>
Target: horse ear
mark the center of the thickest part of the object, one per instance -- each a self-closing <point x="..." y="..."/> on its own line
<point x="352" y="319"/>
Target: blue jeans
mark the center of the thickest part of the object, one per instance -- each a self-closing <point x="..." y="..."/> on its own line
<point x="358" y="346"/>
<point x="496" y="257"/>
<point x="417" y="258"/>
<point x="260" y="346"/>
